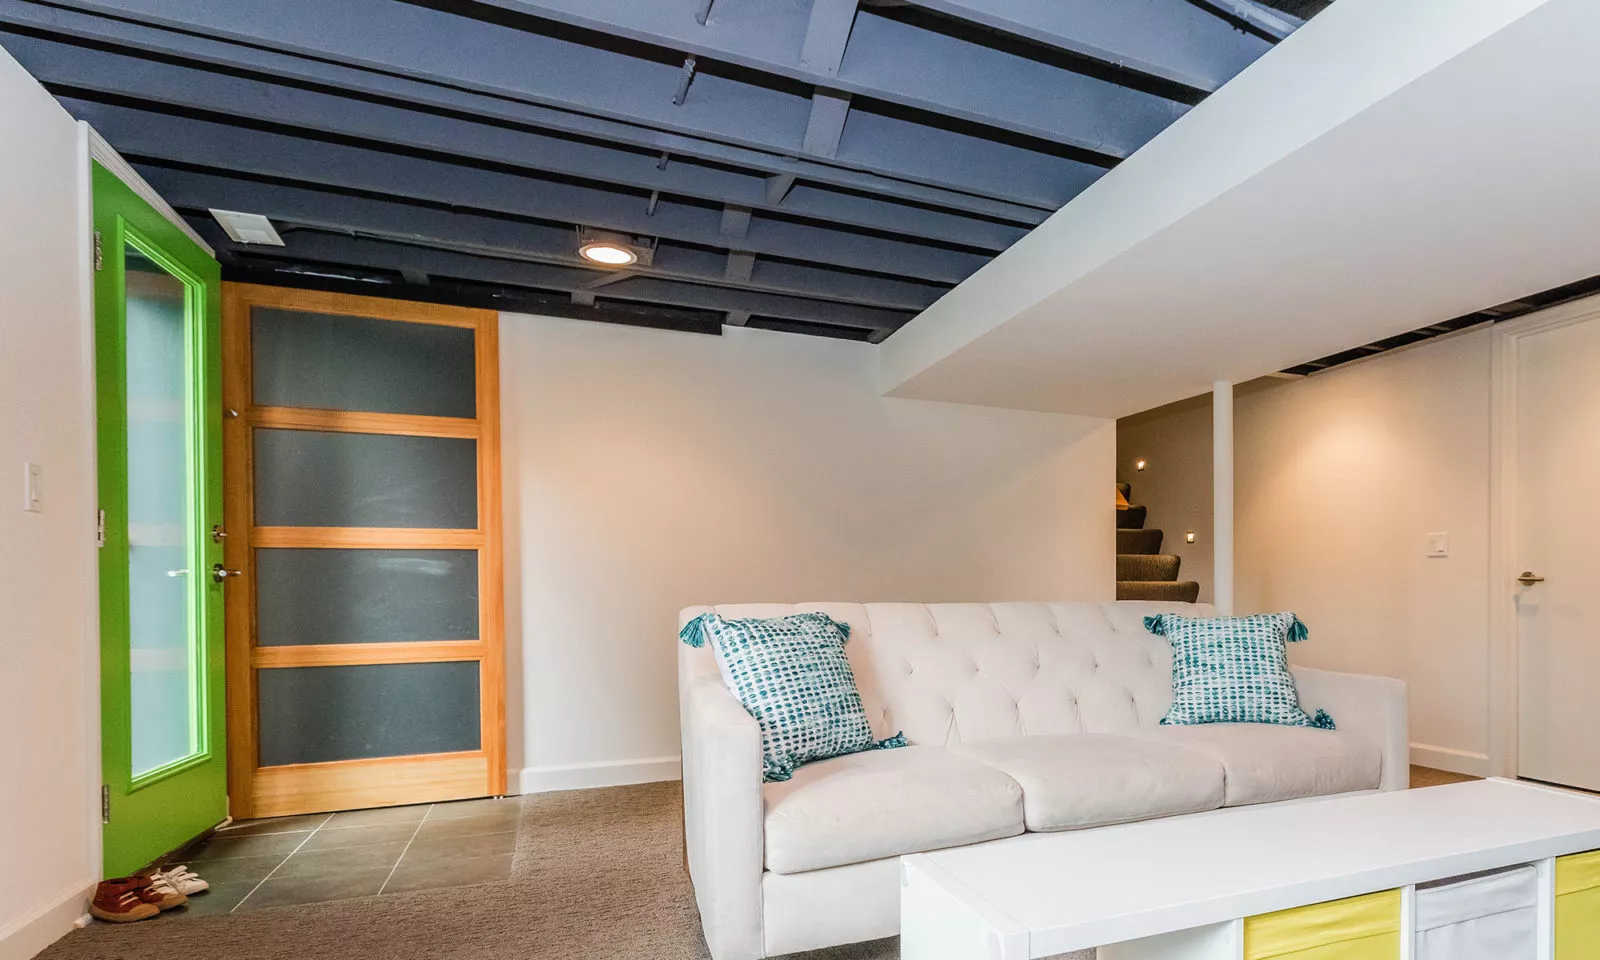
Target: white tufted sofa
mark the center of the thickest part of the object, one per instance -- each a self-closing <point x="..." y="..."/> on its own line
<point x="1022" y="718"/>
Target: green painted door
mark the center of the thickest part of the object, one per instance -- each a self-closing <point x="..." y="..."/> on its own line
<point x="158" y="388"/>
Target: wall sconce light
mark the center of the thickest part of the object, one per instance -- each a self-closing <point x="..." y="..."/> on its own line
<point x="1188" y="537"/>
<point x="1138" y="464"/>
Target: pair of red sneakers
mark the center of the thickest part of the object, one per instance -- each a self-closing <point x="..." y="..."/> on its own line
<point x="143" y="895"/>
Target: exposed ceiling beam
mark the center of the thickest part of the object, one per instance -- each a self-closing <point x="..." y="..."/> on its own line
<point x="825" y="125"/>
<point x="741" y="266"/>
<point x="1170" y="40"/>
<point x="78" y="70"/>
<point x="511" y="239"/>
<point x="735" y="222"/>
<point x="1274" y="24"/>
<point x="197" y="143"/>
<point x="381" y="255"/>
<point x="778" y="187"/>
<point x="891" y="61"/>
<point x="391" y="50"/>
<point x="827" y="36"/>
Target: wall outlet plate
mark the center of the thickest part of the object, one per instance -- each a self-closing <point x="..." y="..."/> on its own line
<point x="1438" y="545"/>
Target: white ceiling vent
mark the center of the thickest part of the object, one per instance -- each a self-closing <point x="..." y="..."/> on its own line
<point x="248" y="227"/>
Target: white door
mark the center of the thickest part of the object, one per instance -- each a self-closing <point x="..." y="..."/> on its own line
<point x="1558" y="526"/>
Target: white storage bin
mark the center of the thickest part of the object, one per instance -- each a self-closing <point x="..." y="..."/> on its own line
<point x="1493" y="917"/>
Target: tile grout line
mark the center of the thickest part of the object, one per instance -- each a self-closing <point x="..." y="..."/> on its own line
<point x="326" y="820"/>
<point x="406" y="849"/>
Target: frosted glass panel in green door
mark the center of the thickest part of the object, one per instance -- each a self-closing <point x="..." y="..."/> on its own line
<point x="163" y="662"/>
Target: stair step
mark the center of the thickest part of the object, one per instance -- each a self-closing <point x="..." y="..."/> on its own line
<point x="1131" y="518"/>
<point x="1151" y="568"/>
<point x="1139" y="541"/>
<point x="1186" y="591"/>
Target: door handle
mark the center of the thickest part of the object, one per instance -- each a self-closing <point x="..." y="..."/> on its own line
<point x="219" y="573"/>
<point x="1529" y="578"/>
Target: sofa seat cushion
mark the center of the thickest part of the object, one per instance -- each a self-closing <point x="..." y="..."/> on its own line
<point x="1092" y="779"/>
<point x="1266" y="762"/>
<point x="885" y="803"/>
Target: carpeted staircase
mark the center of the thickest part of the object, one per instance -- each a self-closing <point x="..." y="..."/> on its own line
<point x="1143" y="571"/>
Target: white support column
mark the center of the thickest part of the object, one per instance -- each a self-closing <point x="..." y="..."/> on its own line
<point x="1222" y="495"/>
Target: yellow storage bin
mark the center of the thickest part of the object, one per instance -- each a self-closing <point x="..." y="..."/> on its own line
<point x="1578" y="907"/>
<point x="1362" y="928"/>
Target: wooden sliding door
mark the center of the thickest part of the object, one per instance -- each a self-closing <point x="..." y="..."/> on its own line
<point x="362" y="476"/>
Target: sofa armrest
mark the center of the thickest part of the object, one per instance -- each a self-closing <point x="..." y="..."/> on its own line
<point x="1370" y="707"/>
<point x="723" y="816"/>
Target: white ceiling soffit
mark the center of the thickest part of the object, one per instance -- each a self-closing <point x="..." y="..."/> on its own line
<point x="1395" y="163"/>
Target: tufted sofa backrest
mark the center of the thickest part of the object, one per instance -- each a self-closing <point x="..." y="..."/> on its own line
<point x="946" y="673"/>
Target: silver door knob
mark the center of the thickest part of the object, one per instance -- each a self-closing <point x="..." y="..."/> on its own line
<point x="219" y="573"/>
<point x="1529" y="578"/>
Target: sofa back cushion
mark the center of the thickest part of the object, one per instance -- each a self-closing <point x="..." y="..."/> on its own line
<point x="947" y="673"/>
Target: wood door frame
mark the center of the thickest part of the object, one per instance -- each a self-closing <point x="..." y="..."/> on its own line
<point x="278" y="791"/>
<point x="1504" y="639"/>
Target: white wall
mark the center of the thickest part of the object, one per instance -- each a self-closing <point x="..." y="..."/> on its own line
<point x="49" y="694"/>
<point x="646" y="471"/>
<point x="1340" y="477"/>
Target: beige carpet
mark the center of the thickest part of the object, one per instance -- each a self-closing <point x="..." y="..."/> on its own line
<point x="598" y="875"/>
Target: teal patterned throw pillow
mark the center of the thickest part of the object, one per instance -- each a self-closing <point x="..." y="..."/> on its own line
<point x="1234" y="670"/>
<point x="791" y="674"/>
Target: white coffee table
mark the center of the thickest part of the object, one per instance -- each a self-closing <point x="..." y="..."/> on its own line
<point x="1179" y="888"/>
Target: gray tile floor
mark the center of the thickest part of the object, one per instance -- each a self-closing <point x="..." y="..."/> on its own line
<point x="299" y="860"/>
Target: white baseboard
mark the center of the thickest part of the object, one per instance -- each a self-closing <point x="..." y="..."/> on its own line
<point x="31" y="934"/>
<point x="1448" y="758"/>
<point x="609" y="773"/>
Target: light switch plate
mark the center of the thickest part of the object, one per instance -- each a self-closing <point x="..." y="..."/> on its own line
<point x="32" y="481"/>
<point x="1438" y="545"/>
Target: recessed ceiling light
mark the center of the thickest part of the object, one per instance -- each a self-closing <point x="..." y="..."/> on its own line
<point x="610" y="249"/>
<point x="247" y="227"/>
<point x="610" y="254"/>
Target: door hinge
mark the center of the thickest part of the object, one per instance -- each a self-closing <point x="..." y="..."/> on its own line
<point x="100" y="529"/>
<point x="99" y="253"/>
<point x="105" y="803"/>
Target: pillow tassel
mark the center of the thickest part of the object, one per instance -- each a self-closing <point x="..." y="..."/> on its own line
<point x="1322" y="721"/>
<point x="1155" y="625"/>
<point x="1297" y="629"/>
<point x="694" y="632"/>
<point x="889" y="743"/>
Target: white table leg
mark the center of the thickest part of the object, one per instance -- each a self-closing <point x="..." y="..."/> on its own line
<point x="940" y="919"/>
<point x="1547" y="911"/>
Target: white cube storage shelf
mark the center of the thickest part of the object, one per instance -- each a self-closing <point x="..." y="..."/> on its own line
<point x="1491" y="870"/>
<point x="1504" y="915"/>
